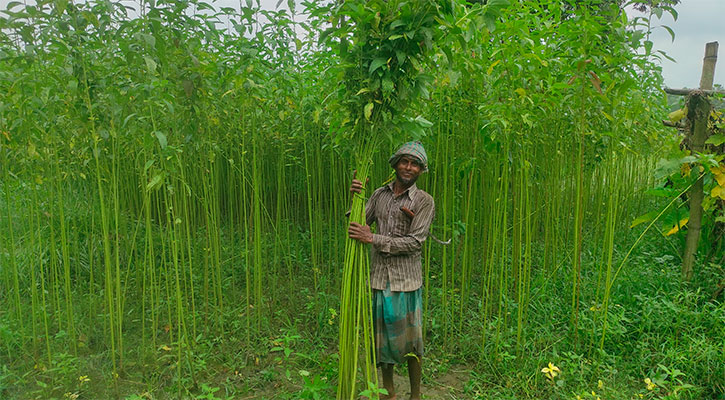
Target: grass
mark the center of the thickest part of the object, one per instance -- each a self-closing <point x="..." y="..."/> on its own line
<point x="658" y="329"/>
<point x="173" y="192"/>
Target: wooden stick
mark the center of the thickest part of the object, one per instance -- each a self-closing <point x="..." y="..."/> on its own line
<point x="686" y="92"/>
<point x="698" y="113"/>
<point x="708" y="66"/>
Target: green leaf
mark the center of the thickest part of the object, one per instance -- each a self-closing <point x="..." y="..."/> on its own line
<point x="666" y="167"/>
<point x="150" y="64"/>
<point x="156" y="181"/>
<point x="665" y="55"/>
<point x="60" y="6"/>
<point x="644" y="218"/>
<point x="677" y="115"/>
<point x="396" y="23"/>
<point x="672" y="12"/>
<point x="423" y="122"/>
<point x="499" y="3"/>
<point x="449" y="54"/>
<point x="204" y="6"/>
<point x="162" y="139"/>
<point x="377" y="63"/>
<point x="493" y="9"/>
<point x="369" y="111"/>
<point x="636" y="37"/>
<point x="148" y="165"/>
<point x="401" y="56"/>
<point x="716" y="140"/>
<point x="668" y="29"/>
<point x="490" y="22"/>
<point x="388" y="85"/>
<point x="327" y="32"/>
<point x="648" y="46"/>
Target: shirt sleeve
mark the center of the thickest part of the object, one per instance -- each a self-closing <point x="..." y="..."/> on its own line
<point x="413" y="241"/>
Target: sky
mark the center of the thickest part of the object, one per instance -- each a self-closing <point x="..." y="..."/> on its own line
<point x="698" y="22"/>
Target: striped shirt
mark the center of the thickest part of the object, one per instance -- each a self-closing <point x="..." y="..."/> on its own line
<point x="403" y="223"/>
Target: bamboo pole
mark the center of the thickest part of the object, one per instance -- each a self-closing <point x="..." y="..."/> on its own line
<point x="686" y="92"/>
<point x="699" y="111"/>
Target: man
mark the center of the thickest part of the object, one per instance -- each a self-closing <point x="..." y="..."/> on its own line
<point x="403" y="214"/>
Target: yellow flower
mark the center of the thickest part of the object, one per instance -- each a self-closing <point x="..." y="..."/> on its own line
<point x="551" y="371"/>
<point x="84" y="378"/>
<point x="650" y="385"/>
<point x="600" y="384"/>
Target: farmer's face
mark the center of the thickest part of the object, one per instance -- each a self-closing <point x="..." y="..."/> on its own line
<point x="407" y="170"/>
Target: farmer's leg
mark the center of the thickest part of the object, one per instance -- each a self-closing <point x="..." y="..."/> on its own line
<point x="388" y="383"/>
<point x="414" y="373"/>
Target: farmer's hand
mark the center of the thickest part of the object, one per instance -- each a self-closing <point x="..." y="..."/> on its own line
<point x="360" y="233"/>
<point x="356" y="186"/>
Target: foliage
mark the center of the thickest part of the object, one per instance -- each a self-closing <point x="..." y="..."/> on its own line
<point x="173" y="183"/>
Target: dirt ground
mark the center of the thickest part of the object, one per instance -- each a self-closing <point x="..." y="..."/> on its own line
<point x="448" y="386"/>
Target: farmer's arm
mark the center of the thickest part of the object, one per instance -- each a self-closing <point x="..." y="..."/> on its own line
<point x="413" y="240"/>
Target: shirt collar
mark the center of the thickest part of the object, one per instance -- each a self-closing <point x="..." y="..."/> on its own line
<point x="410" y="190"/>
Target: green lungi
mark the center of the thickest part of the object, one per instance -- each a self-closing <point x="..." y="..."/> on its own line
<point x="398" y="325"/>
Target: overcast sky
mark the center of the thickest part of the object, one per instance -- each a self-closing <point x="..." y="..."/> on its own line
<point x="699" y="22"/>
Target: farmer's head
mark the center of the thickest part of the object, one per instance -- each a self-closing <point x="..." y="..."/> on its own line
<point x="409" y="162"/>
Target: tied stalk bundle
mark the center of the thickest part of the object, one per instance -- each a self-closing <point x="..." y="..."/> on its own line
<point x="383" y="46"/>
<point x="355" y="300"/>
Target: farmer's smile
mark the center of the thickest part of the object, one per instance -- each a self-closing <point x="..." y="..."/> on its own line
<point x="407" y="170"/>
